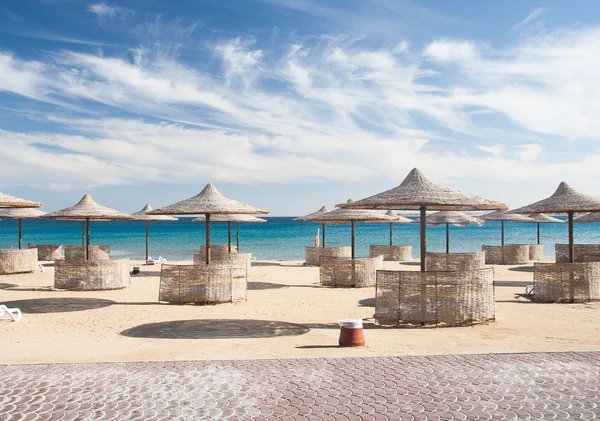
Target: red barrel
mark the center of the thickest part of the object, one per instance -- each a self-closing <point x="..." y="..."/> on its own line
<point x="351" y="333"/>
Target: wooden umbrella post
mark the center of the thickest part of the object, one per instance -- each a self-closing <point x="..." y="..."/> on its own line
<point x="571" y="245"/>
<point x="147" y="229"/>
<point x="538" y="233"/>
<point x="391" y="234"/>
<point x="352" y="225"/>
<point x="447" y="238"/>
<point x="208" y="238"/>
<point x="229" y="237"/>
<point x="237" y="236"/>
<point x="423" y="226"/>
<point x="20" y="234"/>
<point x="323" y="226"/>
<point x="87" y="239"/>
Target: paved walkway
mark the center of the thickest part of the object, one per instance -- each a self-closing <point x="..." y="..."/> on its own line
<point x="465" y="387"/>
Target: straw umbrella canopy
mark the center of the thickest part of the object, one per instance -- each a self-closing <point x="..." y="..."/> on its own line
<point x="87" y="209"/>
<point x="503" y="216"/>
<point x="542" y="218"/>
<point x="590" y="217"/>
<point x="341" y="215"/>
<point x="20" y="214"/>
<point x="564" y="200"/>
<point x="143" y="216"/>
<point x="398" y="219"/>
<point x="418" y="192"/>
<point x="456" y="218"/>
<point x="8" y="201"/>
<point x="229" y="219"/>
<point x="208" y="202"/>
<point x="312" y="217"/>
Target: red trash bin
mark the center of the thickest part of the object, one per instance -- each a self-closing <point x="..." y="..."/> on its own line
<point x="351" y="332"/>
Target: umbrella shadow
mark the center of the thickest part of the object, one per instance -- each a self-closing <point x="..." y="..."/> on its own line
<point x="255" y="285"/>
<point x="58" y="305"/>
<point x="517" y="284"/>
<point x="7" y="286"/>
<point x="522" y="269"/>
<point x="221" y="329"/>
<point x="367" y="302"/>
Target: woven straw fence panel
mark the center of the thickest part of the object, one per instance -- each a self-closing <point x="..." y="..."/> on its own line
<point x="47" y="252"/>
<point x="509" y="254"/>
<point x="219" y="282"/>
<point x="410" y="298"/>
<point x="18" y="261"/>
<point x="77" y="253"/>
<point x="566" y="282"/>
<point x="233" y="258"/>
<point x="451" y="262"/>
<point x="392" y="253"/>
<point x="91" y="275"/>
<point x="562" y="252"/>
<point x="346" y="272"/>
<point x="536" y="251"/>
<point x="217" y="251"/>
<point x="314" y="254"/>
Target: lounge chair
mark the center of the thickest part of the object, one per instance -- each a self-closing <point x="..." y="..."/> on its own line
<point x="14" y="313"/>
<point x="158" y="261"/>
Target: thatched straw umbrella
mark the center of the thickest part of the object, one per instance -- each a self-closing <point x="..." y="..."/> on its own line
<point x="340" y="215"/>
<point x="313" y="217"/>
<point x="398" y="219"/>
<point x="456" y="218"/>
<point x="564" y="200"/>
<point x="87" y="209"/>
<point x="208" y="202"/>
<point x="143" y="216"/>
<point x="502" y="216"/>
<point x="20" y="214"/>
<point x="229" y="219"/>
<point x="587" y="218"/>
<point x="8" y="201"/>
<point x="542" y="218"/>
<point x="418" y="192"/>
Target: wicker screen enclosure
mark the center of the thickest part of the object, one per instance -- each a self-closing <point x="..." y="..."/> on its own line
<point x="346" y="272"/>
<point x="48" y="252"/>
<point x="562" y="252"/>
<point x="392" y="253"/>
<point x="536" y="251"/>
<point x="314" y="254"/>
<point x="413" y="299"/>
<point x="451" y="262"/>
<point x="217" y="251"/>
<point x="91" y="275"/>
<point x="509" y="254"/>
<point x="566" y="282"/>
<point x="18" y="261"/>
<point x="233" y="258"/>
<point x="77" y="253"/>
<point x="219" y="282"/>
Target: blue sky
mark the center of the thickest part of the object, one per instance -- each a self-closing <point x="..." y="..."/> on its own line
<point x="292" y="104"/>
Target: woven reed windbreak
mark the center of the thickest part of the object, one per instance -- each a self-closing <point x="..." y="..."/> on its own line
<point x="313" y="254"/>
<point x="219" y="282"/>
<point x="233" y="258"/>
<point x="536" y="251"/>
<point x="413" y="299"/>
<point x="562" y="252"/>
<point x="392" y="253"/>
<point x="48" y="252"/>
<point x="77" y="253"/>
<point x="452" y="262"/>
<point x="566" y="282"/>
<point x="88" y="275"/>
<point x="18" y="261"/>
<point x="346" y="272"/>
<point x="217" y="251"/>
<point x="509" y="254"/>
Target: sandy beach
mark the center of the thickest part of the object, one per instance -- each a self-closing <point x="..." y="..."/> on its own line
<point x="287" y="315"/>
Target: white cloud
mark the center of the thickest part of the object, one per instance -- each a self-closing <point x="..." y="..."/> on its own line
<point x="495" y="150"/>
<point x="107" y="13"/>
<point x="445" y="50"/>
<point x="535" y="13"/>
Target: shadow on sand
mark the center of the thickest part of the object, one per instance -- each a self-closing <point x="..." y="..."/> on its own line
<point x="221" y="329"/>
<point x="147" y="273"/>
<point x="516" y="284"/>
<point x="58" y="305"/>
<point x="265" y="285"/>
<point x="367" y="302"/>
<point x="7" y="286"/>
<point x="522" y="269"/>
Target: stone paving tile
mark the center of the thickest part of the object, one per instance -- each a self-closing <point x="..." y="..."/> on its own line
<point x="531" y="386"/>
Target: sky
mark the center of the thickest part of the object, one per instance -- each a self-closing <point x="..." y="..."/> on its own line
<point x="292" y="104"/>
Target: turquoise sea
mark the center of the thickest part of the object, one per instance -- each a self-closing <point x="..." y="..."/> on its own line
<point x="281" y="238"/>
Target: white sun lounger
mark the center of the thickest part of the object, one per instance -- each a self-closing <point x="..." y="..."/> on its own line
<point x="14" y="313"/>
<point x="158" y="261"/>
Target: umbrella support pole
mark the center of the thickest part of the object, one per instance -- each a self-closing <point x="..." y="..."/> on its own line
<point x="208" y="238"/>
<point x="423" y="223"/>
<point x="447" y="238"/>
<point x="391" y="234"/>
<point x="87" y="239"/>
<point x="571" y="245"/>
<point x="352" y="225"/>
<point x="229" y="237"/>
<point x="20" y="234"/>
<point x="237" y="236"/>
<point x="147" y="229"/>
<point x="323" y="226"/>
<point x="538" y="233"/>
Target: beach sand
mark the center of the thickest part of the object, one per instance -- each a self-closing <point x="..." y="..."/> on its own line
<point x="287" y="315"/>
